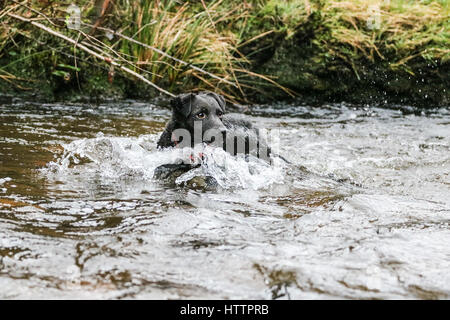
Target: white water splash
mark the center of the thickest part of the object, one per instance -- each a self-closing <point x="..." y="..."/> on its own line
<point x="234" y="171"/>
<point x="136" y="158"/>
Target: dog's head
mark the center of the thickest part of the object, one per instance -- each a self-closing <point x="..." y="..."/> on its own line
<point x="205" y="108"/>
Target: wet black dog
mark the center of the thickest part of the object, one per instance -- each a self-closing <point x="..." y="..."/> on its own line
<point x="200" y="118"/>
<point x="207" y="109"/>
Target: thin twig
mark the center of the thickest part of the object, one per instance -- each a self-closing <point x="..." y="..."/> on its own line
<point x="35" y="11"/>
<point x="61" y="51"/>
<point x="75" y="62"/>
<point x="90" y="43"/>
<point x="6" y="11"/>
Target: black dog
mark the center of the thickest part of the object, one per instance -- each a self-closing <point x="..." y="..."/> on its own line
<point x="206" y="111"/>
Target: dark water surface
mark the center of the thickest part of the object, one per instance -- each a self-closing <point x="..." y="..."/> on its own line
<point x="363" y="211"/>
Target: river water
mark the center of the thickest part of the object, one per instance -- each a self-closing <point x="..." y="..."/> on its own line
<point x="362" y="211"/>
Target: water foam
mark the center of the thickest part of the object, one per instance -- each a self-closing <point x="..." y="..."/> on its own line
<point x="137" y="157"/>
<point x="234" y="171"/>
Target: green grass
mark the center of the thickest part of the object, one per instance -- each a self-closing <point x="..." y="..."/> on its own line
<point x="192" y="38"/>
<point x="395" y="30"/>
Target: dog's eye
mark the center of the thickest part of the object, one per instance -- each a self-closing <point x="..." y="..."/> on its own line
<point x="201" y="115"/>
<point x="220" y="114"/>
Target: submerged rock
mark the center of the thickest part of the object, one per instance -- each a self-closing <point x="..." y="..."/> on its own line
<point x="169" y="173"/>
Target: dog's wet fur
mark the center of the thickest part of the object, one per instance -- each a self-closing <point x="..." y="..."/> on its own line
<point x="209" y="108"/>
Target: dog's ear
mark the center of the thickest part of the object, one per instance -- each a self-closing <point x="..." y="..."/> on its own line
<point x="183" y="103"/>
<point x="220" y="99"/>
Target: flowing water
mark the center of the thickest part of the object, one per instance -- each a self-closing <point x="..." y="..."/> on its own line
<point x="362" y="211"/>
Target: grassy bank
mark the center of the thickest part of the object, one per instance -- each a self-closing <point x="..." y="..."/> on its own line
<point x="253" y="50"/>
<point x="358" y="50"/>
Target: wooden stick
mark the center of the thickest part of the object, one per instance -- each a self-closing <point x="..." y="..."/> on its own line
<point x="91" y="52"/>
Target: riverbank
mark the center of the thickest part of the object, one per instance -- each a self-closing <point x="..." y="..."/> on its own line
<point x="258" y="51"/>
